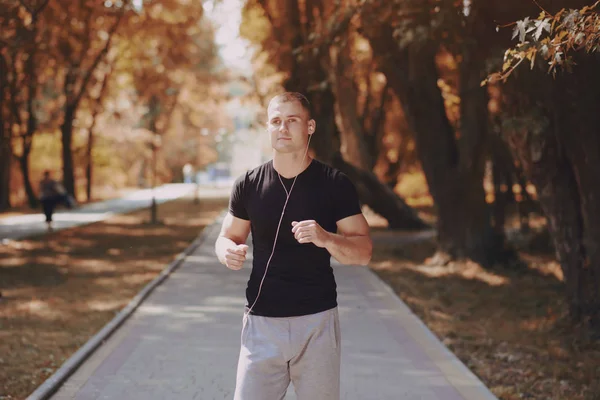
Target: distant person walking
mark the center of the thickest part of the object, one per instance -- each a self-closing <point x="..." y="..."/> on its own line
<point x="51" y="194"/>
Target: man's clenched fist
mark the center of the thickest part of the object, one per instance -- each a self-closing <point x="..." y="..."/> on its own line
<point x="310" y="231"/>
<point x="234" y="259"/>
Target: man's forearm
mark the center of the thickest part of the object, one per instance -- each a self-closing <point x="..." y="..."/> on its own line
<point x="354" y="250"/>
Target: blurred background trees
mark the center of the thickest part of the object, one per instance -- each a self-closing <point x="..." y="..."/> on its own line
<point x="96" y="81"/>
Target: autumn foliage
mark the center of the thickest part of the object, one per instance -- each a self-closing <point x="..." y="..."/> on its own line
<point x="86" y="86"/>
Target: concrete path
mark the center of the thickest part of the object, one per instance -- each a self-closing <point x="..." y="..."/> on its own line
<point x="18" y="227"/>
<point x="183" y="342"/>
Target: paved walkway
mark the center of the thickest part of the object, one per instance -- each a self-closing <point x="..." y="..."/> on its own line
<point x="183" y="342"/>
<point x="18" y="227"/>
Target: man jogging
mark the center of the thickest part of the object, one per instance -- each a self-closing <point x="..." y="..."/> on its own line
<point x="301" y="212"/>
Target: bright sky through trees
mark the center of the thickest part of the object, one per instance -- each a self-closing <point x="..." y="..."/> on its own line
<point x="226" y="14"/>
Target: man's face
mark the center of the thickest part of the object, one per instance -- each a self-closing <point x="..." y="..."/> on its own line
<point x="288" y="126"/>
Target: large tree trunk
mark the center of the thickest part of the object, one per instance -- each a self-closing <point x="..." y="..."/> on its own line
<point x="352" y="136"/>
<point x="456" y="184"/>
<point x="559" y="154"/>
<point x="554" y="178"/>
<point x="578" y="123"/>
<point x="380" y="198"/>
<point x="482" y="241"/>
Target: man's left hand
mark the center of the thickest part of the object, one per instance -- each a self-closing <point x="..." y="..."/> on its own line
<point x="310" y="231"/>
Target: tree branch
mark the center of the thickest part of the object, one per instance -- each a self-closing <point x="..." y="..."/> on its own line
<point x="97" y="60"/>
<point x="87" y="40"/>
<point x="34" y="12"/>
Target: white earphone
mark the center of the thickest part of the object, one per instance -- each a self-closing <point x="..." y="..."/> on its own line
<point x="288" y="193"/>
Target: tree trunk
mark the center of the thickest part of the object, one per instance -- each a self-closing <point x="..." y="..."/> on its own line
<point x="5" y="162"/>
<point x="578" y="123"/>
<point x="67" y="151"/>
<point x="5" y="167"/>
<point x="5" y="149"/>
<point x="90" y="164"/>
<point x="32" y="121"/>
<point x="24" y="164"/>
<point x="380" y="198"/>
<point x="97" y="108"/>
<point x="353" y="145"/>
<point x="554" y="178"/>
<point x="74" y="90"/>
<point x="456" y="184"/>
<point x="559" y="154"/>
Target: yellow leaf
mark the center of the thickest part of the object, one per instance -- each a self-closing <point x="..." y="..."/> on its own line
<point x="530" y="53"/>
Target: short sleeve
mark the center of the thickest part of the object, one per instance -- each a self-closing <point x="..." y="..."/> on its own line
<point x="237" y="200"/>
<point x="346" y="202"/>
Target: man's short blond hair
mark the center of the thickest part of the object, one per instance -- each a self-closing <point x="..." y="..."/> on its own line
<point x="293" y="96"/>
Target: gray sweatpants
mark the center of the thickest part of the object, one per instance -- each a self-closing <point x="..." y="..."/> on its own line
<point x="304" y="350"/>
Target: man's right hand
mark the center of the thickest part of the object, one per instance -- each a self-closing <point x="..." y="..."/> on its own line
<point x="235" y="257"/>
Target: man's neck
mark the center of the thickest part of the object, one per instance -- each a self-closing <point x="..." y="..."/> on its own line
<point x="291" y="164"/>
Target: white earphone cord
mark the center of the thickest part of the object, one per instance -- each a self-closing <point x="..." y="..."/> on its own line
<point x="278" y="227"/>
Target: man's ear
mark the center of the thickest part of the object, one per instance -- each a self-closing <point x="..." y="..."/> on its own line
<point x="311" y="126"/>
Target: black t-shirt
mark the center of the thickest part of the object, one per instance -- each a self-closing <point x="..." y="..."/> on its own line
<point x="300" y="279"/>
